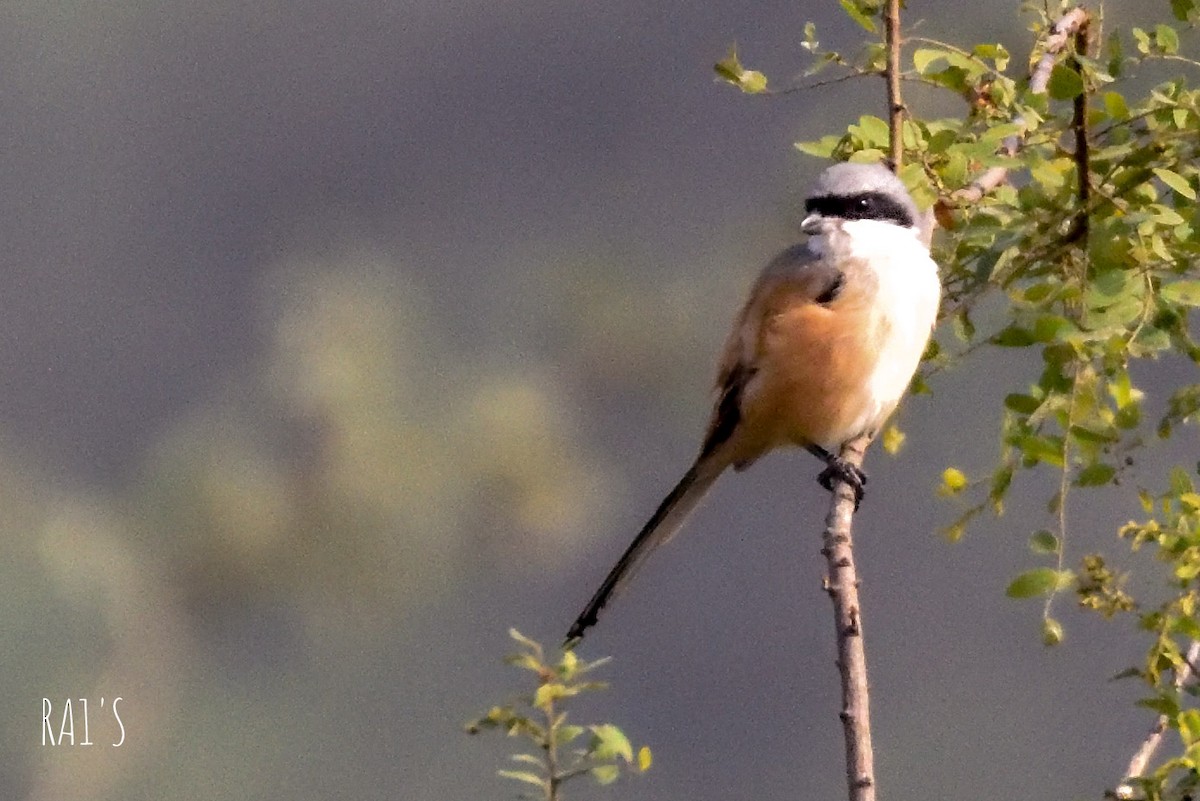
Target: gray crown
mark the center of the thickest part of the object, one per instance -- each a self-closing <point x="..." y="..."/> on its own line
<point x="848" y="178"/>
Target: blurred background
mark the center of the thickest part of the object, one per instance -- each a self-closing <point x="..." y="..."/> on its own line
<point x="338" y="337"/>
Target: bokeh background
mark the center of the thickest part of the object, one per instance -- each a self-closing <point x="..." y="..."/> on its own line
<point x="338" y="337"/>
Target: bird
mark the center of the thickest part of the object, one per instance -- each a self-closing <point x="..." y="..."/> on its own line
<point x="821" y="352"/>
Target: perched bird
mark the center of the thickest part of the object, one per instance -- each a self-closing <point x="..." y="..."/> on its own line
<point x="821" y="352"/>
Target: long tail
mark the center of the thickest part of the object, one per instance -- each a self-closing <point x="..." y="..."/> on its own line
<point x="666" y="521"/>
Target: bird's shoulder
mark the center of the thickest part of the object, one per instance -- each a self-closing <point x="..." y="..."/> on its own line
<point x="803" y="271"/>
<point x="796" y="275"/>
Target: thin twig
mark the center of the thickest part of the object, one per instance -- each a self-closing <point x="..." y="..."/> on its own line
<point x="891" y="23"/>
<point x="1141" y="758"/>
<point x="1082" y="149"/>
<point x="850" y="76"/>
<point x="841" y="583"/>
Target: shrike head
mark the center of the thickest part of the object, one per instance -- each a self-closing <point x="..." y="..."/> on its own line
<point x="849" y="191"/>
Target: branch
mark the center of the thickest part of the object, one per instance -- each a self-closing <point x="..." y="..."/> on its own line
<point x="895" y="104"/>
<point x="1141" y="758"/>
<point x="1082" y="150"/>
<point x="841" y="578"/>
<point x="841" y="583"/>
<point x="1060" y="33"/>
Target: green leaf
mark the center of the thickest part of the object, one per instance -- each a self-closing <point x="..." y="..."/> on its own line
<point x="955" y="531"/>
<point x="1189" y="726"/>
<point x="527" y="759"/>
<point x="609" y="742"/>
<point x="753" y="82"/>
<point x="858" y="15"/>
<point x="892" y="439"/>
<point x="1186" y="293"/>
<point x="924" y="56"/>
<point x="810" y="42"/>
<point x="1021" y="404"/>
<point x="998" y="133"/>
<point x="1114" y="104"/>
<point x="1176" y="182"/>
<point x="644" y="758"/>
<point x="1167" y="39"/>
<point x="548" y="693"/>
<point x="821" y="148"/>
<point x="1116" y="56"/>
<point x="569" y="665"/>
<point x="1165" y="216"/>
<point x="954" y="481"/>
<point x="872" y="130"/>
<point x="1161" y="704"/>
<point x="1065" y="83"/>
<point x="605" y="774"/>
<point x="1040" y="581"/>
<point x="996" y="52"/>
<point x="1096" y="475"/>
<point x="1001" y="480"/>
<point x="730" y="70"/>
<point x="1043" y="542"/>
<point x="1143" y="40"/>
<point x="1181" y="482"/>
<point x="1013" y="337"/>
<point x="524" y="776"/>
<point x="566" y="734"/>
<point x="1051" y="174"/>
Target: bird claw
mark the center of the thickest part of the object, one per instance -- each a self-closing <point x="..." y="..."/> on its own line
<point x="844" y="471"/>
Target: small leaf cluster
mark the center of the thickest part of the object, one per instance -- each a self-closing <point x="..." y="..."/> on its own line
<point x="561" y="751"/>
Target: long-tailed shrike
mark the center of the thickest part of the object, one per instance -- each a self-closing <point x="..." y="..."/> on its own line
<point x="821" y="352"/>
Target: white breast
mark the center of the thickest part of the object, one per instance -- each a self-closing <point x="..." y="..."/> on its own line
<point x="906" y="307"/>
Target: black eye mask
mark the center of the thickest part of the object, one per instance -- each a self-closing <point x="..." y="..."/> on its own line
<point x="862" y="206"/>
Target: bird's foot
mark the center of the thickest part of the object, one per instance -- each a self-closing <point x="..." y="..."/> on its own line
<point x="853" y="475"/>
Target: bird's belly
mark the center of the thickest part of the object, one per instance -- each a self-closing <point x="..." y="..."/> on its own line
<point x="834" y="376"/>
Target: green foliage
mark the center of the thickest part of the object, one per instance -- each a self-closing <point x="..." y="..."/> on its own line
<point x="1089" y="248"/>
<point x="730" y="69"/>
<point x="600" y="750"/>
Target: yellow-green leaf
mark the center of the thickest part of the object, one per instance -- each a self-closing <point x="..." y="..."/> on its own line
<point x="1065" y="83"/>
<point x="821" y="148"/>
<point x="1114" y="104"/>
<point x="1184" y="292"/>
<point x="523" y="776"/>
<point x="1176" y="182"/>
<point x="1039" y="581"/>
<point x="1052" y="632"/>
<point x="924" y="56"/>
<point x="954" y="481"/>
<point x="1043" y="542"/>
<point x="1166" y="38"/>
<point x="644" y="759"/>
<point x="609" y="742"/>
<point x="858" y="15"/>
<point x="605" y="774"/>
<point x="893" y="439"/>
<point x="548" y="693"/>
<point x="1189" y="726"/>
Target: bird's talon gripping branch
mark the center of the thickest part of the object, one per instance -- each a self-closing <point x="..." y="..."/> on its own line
<point x="841" y="469"/>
